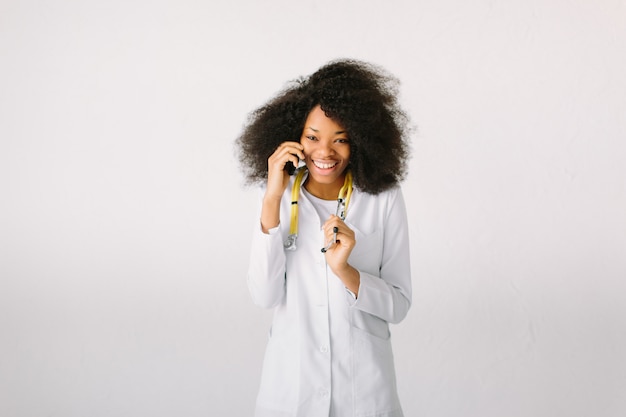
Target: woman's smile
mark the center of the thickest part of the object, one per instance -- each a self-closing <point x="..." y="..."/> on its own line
<point x="327" y="151"/>
<point x="325" y="165"/>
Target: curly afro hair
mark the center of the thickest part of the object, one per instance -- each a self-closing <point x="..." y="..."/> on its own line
<point x="360" y="97"/>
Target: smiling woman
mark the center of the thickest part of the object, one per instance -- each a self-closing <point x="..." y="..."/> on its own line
<point x="359" y="97"/>
<point x="327" y="154"/>
<point x="329" y="351"/>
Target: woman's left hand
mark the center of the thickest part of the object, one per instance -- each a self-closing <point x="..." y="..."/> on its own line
<point x="337" y="254"/>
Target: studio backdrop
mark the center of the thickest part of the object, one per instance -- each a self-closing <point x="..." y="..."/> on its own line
<point x="125" y="223"/>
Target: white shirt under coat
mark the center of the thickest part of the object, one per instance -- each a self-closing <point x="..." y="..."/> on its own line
<point x="328" y="353"/>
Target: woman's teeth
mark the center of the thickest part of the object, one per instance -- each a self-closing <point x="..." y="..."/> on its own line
<point x="325" y="165"/>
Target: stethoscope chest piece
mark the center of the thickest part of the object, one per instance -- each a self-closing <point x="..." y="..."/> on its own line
<point x="290" y="242"/>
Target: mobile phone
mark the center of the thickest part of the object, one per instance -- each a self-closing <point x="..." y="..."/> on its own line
<point x="290" y="168"/>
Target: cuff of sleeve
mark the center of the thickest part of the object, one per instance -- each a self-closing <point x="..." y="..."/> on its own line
<point x="271" y="239"/>
<point x="350" y="297"/>
<point x="271" y="231"/>
<point x="367" y="290"/>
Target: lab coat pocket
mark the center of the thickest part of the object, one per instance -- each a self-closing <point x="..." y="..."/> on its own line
<point x="375" y="379"/>
<point x="366" y="255"/>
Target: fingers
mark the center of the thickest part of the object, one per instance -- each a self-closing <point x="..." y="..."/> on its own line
<point x="341" y="242"/>
<point x="277" y="176"/>
<point x="336" y="231"/>
<point x="334" y="222"/>
<point x="332" y="241"/>
<point x="286" y="152"/>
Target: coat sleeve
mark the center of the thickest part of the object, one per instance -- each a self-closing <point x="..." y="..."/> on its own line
<point x="266" y="270"/>
<point x="388" y="296"/>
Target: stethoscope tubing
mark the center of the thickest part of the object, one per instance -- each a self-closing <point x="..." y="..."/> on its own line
<point x="343" y="199"/>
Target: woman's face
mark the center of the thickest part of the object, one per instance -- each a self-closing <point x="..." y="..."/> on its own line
<point x="326" y="148"/>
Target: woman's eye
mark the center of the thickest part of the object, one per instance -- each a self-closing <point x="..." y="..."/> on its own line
<point x="343" y="140"/>
<point x="311" y="138"/>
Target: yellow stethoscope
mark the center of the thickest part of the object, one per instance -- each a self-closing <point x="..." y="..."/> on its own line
<point x="343" y="199"/>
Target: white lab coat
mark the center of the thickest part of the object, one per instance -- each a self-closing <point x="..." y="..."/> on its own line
<point x="329" y="354"/>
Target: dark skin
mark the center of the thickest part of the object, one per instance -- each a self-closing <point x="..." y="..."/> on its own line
<point x="325" y="148"/>
<point x="359" y="96"/>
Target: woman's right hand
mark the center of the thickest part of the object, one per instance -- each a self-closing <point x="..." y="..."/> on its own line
<point x="277" y="176"/>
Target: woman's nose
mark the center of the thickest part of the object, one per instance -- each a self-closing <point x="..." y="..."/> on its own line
<point x="326" y="148"/>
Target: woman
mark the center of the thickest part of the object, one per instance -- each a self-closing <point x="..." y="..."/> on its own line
<point x="331" y="251"/>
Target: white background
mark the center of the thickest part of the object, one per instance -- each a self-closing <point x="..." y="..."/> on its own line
<point x="124" y="222"/>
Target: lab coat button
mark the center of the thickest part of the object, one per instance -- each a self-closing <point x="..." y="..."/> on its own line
<point x="324" y="393"/>
<point x="324" y="349"/>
